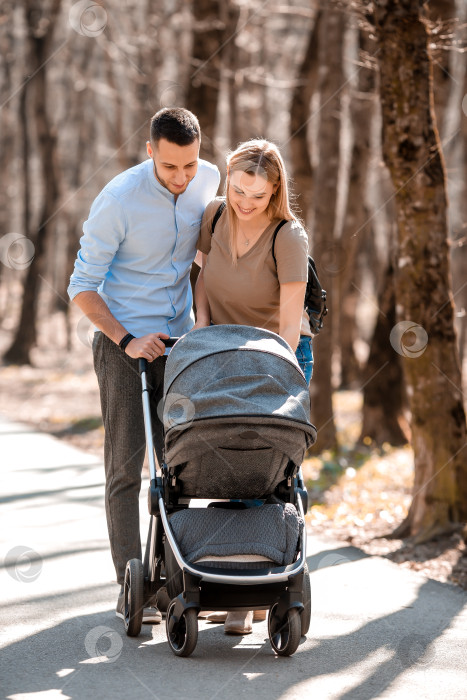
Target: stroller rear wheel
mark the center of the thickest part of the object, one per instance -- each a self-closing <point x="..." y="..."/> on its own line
<point x="306" y="614"/>
<point x="285" y="633"/>
<point x="182" y="633"/>
<point x="133" y="589"/>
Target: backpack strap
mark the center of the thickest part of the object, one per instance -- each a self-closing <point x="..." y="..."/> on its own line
<point x="278" y="227"/>
<point x="217" y="216"/>
<point x="315" y="295"/>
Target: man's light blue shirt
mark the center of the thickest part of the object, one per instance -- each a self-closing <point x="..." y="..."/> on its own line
<point x="138" y="247"/>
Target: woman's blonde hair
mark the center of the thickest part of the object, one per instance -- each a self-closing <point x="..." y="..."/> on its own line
<point x="258" y="157"/>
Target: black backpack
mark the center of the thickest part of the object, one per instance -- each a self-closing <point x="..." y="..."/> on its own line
<point x="315" y="295"/>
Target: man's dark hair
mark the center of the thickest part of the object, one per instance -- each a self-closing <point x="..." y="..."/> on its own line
<point x="176" y="125"/>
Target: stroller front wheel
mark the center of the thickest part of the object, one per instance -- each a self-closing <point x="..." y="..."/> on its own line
<point x="284" y="634"/>
<point x="133" y="589"/>
<point x="182" y="633"/>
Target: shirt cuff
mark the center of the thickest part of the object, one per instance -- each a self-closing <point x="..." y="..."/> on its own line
<point x="75" y="289"/>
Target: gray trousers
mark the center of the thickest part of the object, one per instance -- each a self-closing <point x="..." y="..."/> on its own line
<point x="125" y="443"/>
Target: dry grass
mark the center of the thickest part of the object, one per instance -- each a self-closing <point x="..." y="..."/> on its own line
<point x="361" y="494"/>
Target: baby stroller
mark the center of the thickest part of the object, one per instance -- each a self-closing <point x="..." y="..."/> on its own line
<point x="237" y="425"/>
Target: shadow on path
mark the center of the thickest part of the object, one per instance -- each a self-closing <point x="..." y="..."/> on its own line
<point x="90" y="656"/>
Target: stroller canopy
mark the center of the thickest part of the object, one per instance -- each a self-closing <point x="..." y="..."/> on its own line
<point x="234" y="395"/>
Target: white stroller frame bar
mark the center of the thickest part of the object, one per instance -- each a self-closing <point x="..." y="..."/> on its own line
<point x="147" y="420"/>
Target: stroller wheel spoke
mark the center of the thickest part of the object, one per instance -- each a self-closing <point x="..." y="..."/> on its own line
<point x="285" y="633"/>
<point x="182" y="632"/>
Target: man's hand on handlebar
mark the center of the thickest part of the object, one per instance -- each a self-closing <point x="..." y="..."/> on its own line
<point x="148" y="346"/>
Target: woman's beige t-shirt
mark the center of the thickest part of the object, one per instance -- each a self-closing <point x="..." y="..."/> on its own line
<point x="249" y="293"/>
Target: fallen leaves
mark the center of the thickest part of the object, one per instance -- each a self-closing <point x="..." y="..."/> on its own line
<point x="360" y="494"/>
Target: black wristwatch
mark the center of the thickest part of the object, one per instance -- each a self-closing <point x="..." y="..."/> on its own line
<point x="125" y="340"/>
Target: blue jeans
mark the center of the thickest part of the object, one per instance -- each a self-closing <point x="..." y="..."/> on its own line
<point x="304" y="355"/>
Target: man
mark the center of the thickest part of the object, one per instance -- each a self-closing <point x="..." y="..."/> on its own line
<point x="132" y="280"/>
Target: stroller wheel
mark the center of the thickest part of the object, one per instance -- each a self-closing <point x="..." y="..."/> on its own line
<point x="306" y="614"/>
<point x="182" y="633"/>
<point x="284" y="634"/>
<point x="134" y="597"/>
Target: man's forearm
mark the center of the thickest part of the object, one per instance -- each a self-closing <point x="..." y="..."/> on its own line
<point x="95" y="308"/>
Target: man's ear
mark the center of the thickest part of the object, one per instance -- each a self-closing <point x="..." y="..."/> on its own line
<point x="149" y="149"/>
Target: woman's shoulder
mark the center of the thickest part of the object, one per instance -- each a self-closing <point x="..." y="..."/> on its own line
<point x="213" y="206"/>
<point x="292" y="230"/>
<point x="294" y="227"/>
<point x="207" y="224"/>
<point x="210" y="213"/>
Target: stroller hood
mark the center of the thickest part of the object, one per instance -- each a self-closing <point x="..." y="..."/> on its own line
<point x="234" y="372"/>
<point x="236" y="412"/>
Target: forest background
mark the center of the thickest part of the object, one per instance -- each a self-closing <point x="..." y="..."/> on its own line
<point x="368" y="103"/>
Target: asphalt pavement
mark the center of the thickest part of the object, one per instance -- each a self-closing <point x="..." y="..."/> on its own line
<point x="377" y="630"/>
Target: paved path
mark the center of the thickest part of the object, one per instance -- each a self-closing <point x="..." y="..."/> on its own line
<point x="377" y="631"/>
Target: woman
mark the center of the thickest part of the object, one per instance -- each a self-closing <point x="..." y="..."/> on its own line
<point x="240" y="282"/>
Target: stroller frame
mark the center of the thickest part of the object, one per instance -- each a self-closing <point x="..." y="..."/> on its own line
<point x="285" y="590"/>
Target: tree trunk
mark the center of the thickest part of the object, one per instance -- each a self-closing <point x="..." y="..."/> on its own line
<point x="230" y="15"/>
<point x="459" y="247"/>
<point x="39" y="36"/>
<point x="204" y="86"/>
<point x="152" y="89"/>
<point x="424" y="336"/>
<point x="384" y="395"/>
<point x="79" y="116"/>
<point x="325" y="198"/>
<point x="7" y="126"/>
<point x="356" y="228"/>
<point x="300" y="147"/>
<point x="114" y="121"/>
<point x="442" y="14"/>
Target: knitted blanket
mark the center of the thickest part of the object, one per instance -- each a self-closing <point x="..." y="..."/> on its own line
<point x="270" y="530"/>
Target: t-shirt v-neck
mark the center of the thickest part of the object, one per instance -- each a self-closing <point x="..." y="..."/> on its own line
<point x="264" y="233"/>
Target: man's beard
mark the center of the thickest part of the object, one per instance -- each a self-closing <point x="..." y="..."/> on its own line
<point x="164" y="183"/>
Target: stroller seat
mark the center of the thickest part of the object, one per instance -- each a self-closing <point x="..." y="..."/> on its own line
<point x="270" y="531"/>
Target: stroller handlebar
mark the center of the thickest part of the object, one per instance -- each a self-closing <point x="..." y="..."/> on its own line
<point x="143" y="364"/>
<point x="169" y="342"/>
